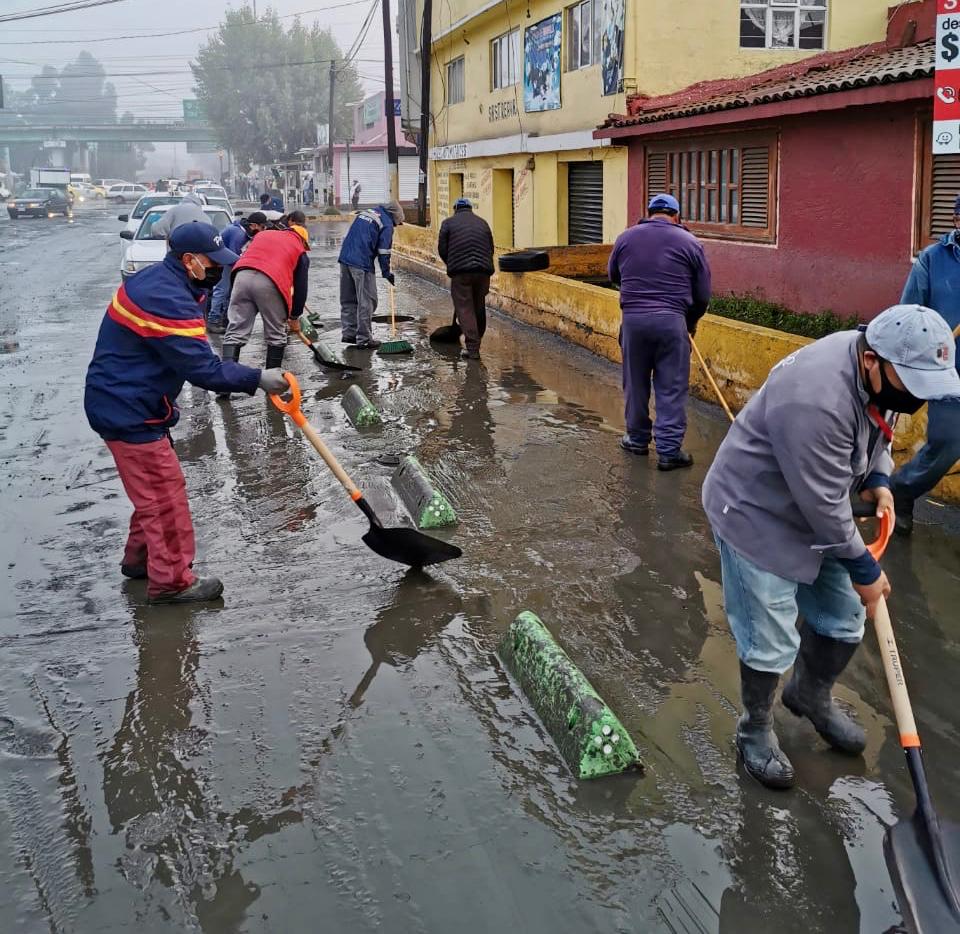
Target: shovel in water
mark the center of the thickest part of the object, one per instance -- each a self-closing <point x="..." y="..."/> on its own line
<point x="407" y="546"/>
<point x="922" y="853"/>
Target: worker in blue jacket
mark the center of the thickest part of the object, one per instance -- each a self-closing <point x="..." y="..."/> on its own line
<point x="152" y="339"/>
<point x="934" y="282"/>
<point x="235" y="238"/>
<point x="369" y="238"/>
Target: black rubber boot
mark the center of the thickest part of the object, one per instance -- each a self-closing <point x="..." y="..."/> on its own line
<point x="675" y="461"/>
<point x="903" y="506"/>
<point x="819" y="663"/>
<point x="274" y="356"/>
<point x="756" y="742"/>
<point x="229" y="352"/>
<point x="202" y="590"/>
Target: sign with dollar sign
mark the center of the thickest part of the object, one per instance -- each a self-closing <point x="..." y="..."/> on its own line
<point x="946" y="83"/>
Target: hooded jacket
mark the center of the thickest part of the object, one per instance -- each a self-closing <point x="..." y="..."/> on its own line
<point x="370" y="236"/>
<point x="934" y="280"/>
<point x="190" y="209"/>
<point x="152" y="340"/>
<point x="466" y="243"/>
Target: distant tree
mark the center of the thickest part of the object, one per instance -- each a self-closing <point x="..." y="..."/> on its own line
<point x="262" y="107"/>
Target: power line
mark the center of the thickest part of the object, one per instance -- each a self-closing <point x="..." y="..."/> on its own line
<point x="67" y="7"/>
<point x="182" y="32"/>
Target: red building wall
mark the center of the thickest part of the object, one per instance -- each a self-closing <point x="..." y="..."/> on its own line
<point x="846" y="208"/>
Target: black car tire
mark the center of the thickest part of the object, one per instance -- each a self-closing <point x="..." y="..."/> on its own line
<point x="524" y="261"/>
<point x="119" y="199"/>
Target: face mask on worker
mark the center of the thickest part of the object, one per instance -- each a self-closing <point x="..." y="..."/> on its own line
<point x="890" y="399"/>
<point x="206" y="277"/>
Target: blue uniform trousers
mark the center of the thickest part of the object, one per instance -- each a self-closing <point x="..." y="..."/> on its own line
<point x="656" y="353"/>
<point x="935" y="459"/>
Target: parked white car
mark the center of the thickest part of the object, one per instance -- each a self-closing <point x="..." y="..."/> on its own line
<point x="125" y="191"/>
<point x="145" y="249"/>
<point x="132" y="220"/>
<point x="222" y="203"/>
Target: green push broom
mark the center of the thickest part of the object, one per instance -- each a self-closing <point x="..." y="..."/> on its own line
<point x="394" y="345"/>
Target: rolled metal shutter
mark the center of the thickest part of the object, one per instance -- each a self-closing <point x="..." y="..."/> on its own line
<point x="369" y="167"/>
<point x="585" y="202"/>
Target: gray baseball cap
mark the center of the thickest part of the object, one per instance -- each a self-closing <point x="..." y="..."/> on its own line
<point x="921" y="347"/>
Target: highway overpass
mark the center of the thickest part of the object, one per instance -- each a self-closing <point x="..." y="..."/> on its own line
<point x="146" y="132"/>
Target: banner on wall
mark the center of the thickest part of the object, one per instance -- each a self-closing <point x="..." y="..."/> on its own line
<point x="613" y="23"/>
<point x="541" y="64"/>
<point x="946" y="80"/>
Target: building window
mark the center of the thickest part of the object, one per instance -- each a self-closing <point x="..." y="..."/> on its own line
<point x="726" y="186"/>
<point x="583" y="34"/>
<point x="783" y="24"/>
<point x="455" y="88"/>
<point x="505" y="60"/>
<point x="939" y="187"/>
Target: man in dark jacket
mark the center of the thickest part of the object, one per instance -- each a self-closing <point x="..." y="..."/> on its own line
<point x="270" y="279"/>
<point x="151" y="341"/>
<point x="235" y="238"/>
<point x="466" y="246"/>
<point x="369" y="238"/>
<point x="664" y="281"/>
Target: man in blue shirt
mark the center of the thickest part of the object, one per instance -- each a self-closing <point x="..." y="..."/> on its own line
<point x="235" y="238"/>
<point x="664" y="281"/>
<point x="934" y="282"/>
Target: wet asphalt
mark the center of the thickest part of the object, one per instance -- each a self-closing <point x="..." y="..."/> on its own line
<point x="336" y="747"/>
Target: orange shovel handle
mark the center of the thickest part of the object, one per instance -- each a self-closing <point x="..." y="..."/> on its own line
<point x="291" y="408"/>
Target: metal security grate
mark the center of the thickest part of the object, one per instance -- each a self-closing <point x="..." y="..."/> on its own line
<point x="585" y="200"/>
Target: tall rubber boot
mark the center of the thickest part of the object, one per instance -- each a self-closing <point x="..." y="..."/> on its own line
<point x="819" y="663"/>
<point x="756" y="742"/>
<point x="229" y="352"/>
<point x="274" y="356"/>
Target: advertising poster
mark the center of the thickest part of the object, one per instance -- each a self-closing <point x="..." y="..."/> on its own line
<point x="541" y="64"/>
<point x="612" y="24"/>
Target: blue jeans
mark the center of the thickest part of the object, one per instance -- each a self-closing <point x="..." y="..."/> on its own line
<point x="220" y="298"/>
<point x="933" y="461"/>
<point x="762" y="609"/>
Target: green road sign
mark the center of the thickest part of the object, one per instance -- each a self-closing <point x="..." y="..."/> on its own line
<point x="194" y="111"/>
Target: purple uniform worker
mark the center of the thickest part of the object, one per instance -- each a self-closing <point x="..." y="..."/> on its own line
<point x="664" y="281"/>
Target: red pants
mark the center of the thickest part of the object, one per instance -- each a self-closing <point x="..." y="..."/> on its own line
<point x="161" y="531"/>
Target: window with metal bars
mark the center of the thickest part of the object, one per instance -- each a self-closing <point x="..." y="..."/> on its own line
<point x="455" y="85"/>
<point x="783" y="24"/>
<point x="939" y="181"/>
<point x="726" y="186"/>
<point x="583" y="34"/>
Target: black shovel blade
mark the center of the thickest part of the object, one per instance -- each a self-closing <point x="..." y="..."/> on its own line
<point x="332" y="364"/>
<point x="921" y="894"/>
<point x="448" y="334"/>
<point x="408" y="546"/>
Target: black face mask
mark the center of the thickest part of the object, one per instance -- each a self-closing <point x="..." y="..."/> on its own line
<point x="213" y="276"/>
<point x="889" y="398"/>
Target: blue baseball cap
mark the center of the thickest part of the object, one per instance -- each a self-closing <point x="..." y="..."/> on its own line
<point x="664" y="203"/>
<point x="921" y="347"/>
<point x="197" y="237"/>
<point x="462" y="203"/>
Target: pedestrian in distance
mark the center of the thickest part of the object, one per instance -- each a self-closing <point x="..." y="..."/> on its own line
<point x="152" y="340"/>
<point x="933" y="282"/>
<point x="778" y="500"/>
<point x="466" y="246"/>
<point x="369" y="238"/>
<point x="188" y="211"/>
<point x="664" y="281"/>
<point x="235" y="237"/>
<point x="355" y="194"/>
<point x="269" y="280"/>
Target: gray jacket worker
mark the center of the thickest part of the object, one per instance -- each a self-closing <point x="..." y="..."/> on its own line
<point x="466" y="246"/>
<point x="778" y="500"/>
<point x="188" y="211"/>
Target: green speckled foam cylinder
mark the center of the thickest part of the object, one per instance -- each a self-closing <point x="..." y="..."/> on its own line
<point x="588" y="734"/>
<point x="360" y="410"/>
<point x="307" y="328"/>
<point x="428" y="506"/>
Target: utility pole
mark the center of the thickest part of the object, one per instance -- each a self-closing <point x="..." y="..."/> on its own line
<point x="393" y="160"/>
<point x="426" y="40"/>
<point x="331" y="198"/>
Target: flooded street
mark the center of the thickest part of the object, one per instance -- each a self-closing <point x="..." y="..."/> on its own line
<point x="338" y="748"/>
